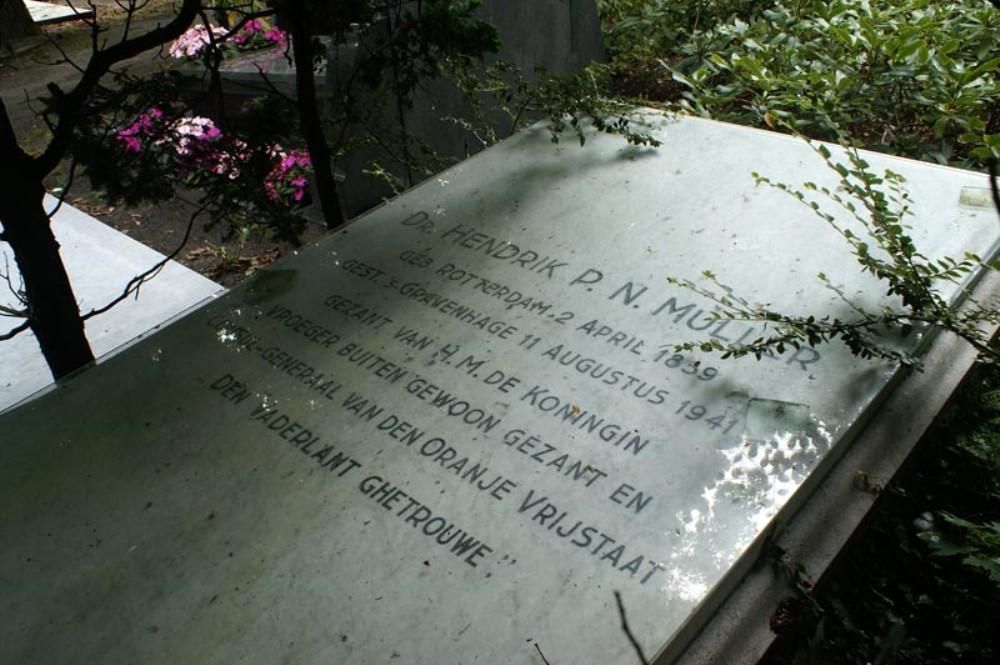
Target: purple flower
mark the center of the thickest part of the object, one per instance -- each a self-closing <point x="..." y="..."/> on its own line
<point x="276" y="35"/>
<point x="148" y="124"/>
<point x="289" y="177"/>
<point x="132" y="144"/>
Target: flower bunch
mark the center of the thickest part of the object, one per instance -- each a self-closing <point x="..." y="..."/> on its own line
<point x="255" y="34"/>
<point x="289" y="178"/>
<point x="196" y="40"/>
<point x="205" y="152"/>
<point x="228" y="162"/>
<point x="149" y="124"/>
<point x="192" y="139"/>
<point x="190" y="134"/>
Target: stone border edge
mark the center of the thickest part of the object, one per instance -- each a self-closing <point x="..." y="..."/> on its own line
<point x="739" y="631"/>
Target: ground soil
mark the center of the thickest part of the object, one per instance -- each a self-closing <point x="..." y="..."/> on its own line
<point x="24" y="77"/>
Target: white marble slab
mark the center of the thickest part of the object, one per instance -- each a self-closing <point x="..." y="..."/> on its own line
<point x="100" y="262"/>
<point x="451" y="432"/>
<point x="47" y="12"/>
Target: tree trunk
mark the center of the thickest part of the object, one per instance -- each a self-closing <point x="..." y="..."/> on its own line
<point x="15" y="23"/>
<point x="309" y="120"/>
<point x="53" y="313"/>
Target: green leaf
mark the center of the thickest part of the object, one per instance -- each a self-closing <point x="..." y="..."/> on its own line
<point x="940" y="126"/>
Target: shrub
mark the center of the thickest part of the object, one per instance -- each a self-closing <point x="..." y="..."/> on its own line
<point x="915" y="77"/>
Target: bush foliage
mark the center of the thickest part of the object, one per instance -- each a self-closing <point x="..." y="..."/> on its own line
<point x="912" y="77"/>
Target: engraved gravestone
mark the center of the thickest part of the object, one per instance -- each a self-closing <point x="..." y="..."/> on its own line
<point x="449" y="433"/>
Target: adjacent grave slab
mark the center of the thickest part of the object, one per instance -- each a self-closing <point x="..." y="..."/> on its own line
<point x="452" y="431"/>
<point x="248" y="74"/>
<point x="559" y="35"/>
<point x="44" y="13"/>
<point x="100" y="261"/>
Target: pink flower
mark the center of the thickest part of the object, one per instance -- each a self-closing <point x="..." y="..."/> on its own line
<point x="289" y="178"/>
<point x="196" y="40"/>
<point x="207" y="155"/>
<point x="197" y="127"/>
<point x="147" y="125"/>
<point x="131" y="143"/>
<point x="184" y="147"/>
<point x="276" y="35"/>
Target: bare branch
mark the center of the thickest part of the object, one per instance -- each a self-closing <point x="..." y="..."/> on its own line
<point x="14" y="332"/>
<point x="628" y="631"/>
<point x="992" y="165"/>
<point x="130" y="11"/>
<point x="539" y="650"/>
<point x="136" y="282"/>
<point x="65" y="190"/>
<point x="65" y="56"/>
<point x="69" y="104"/>
<point x="16" y="291"/>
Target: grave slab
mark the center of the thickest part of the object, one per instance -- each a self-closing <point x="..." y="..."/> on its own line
<point x="451" y="432"/>
<point x="739" y="632"/>
<point x="100" y="261"/>
<point x="45" y="13"/>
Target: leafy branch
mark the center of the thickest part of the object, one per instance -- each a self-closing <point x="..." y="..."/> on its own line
<point x="977" y="543"/>
<point x="883" y="248"/>
<point x="571" y="102"/>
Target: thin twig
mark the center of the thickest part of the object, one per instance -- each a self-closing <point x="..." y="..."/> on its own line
<point x="10" y="334"/>
<point x="539" y="650"/>
<point x="992" y="164"/>
<point x="65" y="190"/>
<point x="628" y="631"/>
<point x="136" y="282"/>
<point x="17" y="292"/>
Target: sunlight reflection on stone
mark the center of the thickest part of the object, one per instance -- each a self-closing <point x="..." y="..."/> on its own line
<point x="686" y="587"/>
